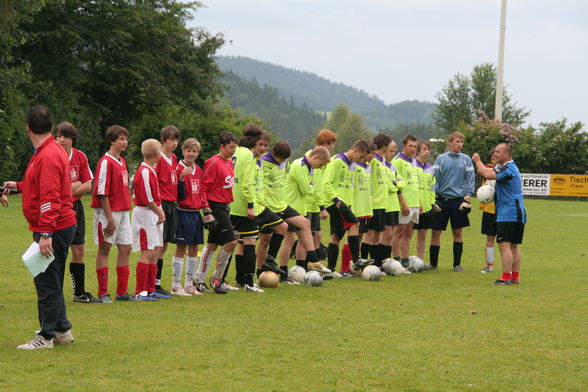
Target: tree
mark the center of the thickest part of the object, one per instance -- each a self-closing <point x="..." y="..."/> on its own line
<point x="561" y="148"/>
<point x="348" y="126"/>
<point x="462" y="99"/>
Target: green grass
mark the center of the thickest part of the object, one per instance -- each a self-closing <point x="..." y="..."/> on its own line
<point x="435" y="331"/>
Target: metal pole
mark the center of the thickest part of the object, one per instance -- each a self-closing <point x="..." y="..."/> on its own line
<point x="500" y="72"/>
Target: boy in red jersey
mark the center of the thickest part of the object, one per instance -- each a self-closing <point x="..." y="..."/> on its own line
<point x="111" y="201"/>
<point x="189" y="232"/>
<point x="47" y="206"/>
<point x="168" y="188"/>
<point x="217" y="194"/>
<point x="81" y="183"/>
<point x="148" y="218"/>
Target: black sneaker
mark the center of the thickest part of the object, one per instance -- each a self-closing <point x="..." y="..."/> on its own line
<point x="162" y="291"/>
<point x="125" y="297"/>
<point x="270" y="265"/>
<point x="219" y="287"/>
<point x="362" y="263"/>
<point x="84" y="298"/>
<point x="202" y="287"/>
<point x="501" y="282"/>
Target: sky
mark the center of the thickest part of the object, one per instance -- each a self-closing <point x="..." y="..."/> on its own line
<point x="409" y="49"/>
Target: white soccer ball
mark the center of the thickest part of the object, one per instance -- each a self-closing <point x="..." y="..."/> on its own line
<point x="415" y="264"/>
<point x="371" y="273"/>
<point x="485" y="194"/>
<point x="393" y="267"/>
<point x="297" y="273"/>
<point x="313" y="279"/>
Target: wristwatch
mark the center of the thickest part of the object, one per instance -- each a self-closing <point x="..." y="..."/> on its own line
<point x="46" y="235"/>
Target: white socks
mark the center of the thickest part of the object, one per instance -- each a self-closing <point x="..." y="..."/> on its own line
<point x="490" y="255"/>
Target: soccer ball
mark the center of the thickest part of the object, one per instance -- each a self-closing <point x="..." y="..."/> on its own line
<point x="297" y="273"/>
<point x="371" y="273"/>
<point x="268" y="279"/>
<point x="392" y="267"/>
<point x="485" y="194"/>
<point x="415" y="264"/>
<point x="313" y="278"/>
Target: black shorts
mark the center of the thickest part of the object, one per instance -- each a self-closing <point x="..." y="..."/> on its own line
<point x="363" y="224"/>
<point x="392" y="218"/>
<point x="426" y="221"/>
<point x="340" y="219"/>
<point x="288" y="213"/>
<point x="266" y="220"/>
<point x="247" y="228"/>
<point x="171" y="220"/>
<point x="510" y="232"/>
<point x="315" y="221"/>
<point x="190" y="229"/>
<point x="489" y="224"/>
<point x="223" y="232"/>
<point x="450" y="212"/>
<point x="378" y="221"/>
<point x="80" y="234"/>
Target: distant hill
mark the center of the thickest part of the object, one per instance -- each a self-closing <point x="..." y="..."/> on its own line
<point x="308" y="89"/>
<point x="285" y="119"/>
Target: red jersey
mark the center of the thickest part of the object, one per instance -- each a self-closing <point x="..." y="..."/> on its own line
<point x="47" y="203"/>
<point x="168" y="178"/>
<point x="193" y="198"/>
<point x="146" y="186"/>
<point x="112" y="180"/>
<point x="79" y="168"/>
<point x="217" y="180"/>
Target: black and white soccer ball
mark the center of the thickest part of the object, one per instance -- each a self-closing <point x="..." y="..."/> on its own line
<point x="297" y="273"/>
<point x="415" y="264"/>
<point x="392" y="267"/>
<point x="313" y="279"/>
<point x="485" y="194"/>
<point x="371" y="273"/>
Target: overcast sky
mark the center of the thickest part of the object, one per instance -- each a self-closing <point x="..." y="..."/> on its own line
<point x="409" y="49"/>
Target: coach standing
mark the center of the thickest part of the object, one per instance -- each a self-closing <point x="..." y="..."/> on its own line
<point x="454" y="175"/>
<point x="511" y="215"/>
<point x="47" y="206"/>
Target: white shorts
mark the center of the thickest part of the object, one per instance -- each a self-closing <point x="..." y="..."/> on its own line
<point x="413" y="215"/>
<point x="147" y="233"/>
<point x="122" y="228"/>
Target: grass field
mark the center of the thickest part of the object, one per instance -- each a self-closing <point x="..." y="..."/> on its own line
<point x="434" y="331"/>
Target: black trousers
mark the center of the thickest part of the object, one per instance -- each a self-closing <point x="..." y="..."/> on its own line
<point x="49" y="285"/>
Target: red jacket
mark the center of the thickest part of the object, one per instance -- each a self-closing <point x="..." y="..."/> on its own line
<point x="46" y="189"/>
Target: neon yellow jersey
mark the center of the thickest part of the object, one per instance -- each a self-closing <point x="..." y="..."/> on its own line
<point x="406" y="168"/>
<point x="362" y="191"/>
<point x="339" y="180"/>
<point x="299" y="185"/>
<point x="380" y="179"/>
<point x="259" y="188"/>
<point x="244" y="186"/>
<point x="396" y="184"/>
<point x="274" y="182"/>
<point x="315" y="200"/>
<point x="426" y="174"/>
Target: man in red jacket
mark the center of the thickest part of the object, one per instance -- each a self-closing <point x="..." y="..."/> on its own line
<point x="48" y="207"/>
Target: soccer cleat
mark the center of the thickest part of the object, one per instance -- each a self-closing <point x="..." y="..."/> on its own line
<point x="37" y="343"/>
<point x="501" y="282"/>
<point x="84" y="298"/>
<point x="458" y="268"/>
<point x="125" y="297"/>
<point x="289" y="280"/>
<point x="346" y="275"/>
<point x="192" y="290"/>
<point x="252" y="289"/>
<point x="180" y="292"/>
<point x="514" y="281"/>
<point x="63" y="338"/>
<point x="227" y="286"/>
<point x="318" y="266"/>
<point x="429" y="267"/>
<point x="405" y="271"/>
<point x="270" y="265"/>
<point x="202" y="287"/>
<point x="104" y="299"/>
<point x="157" y="295"/>
<point x="143" y="296"/>
<point x="161" y="290"/>
<point x="332" y="275"/>
<point x="488" y="268"/>
<point x="362" y="263"/>
<point x="218" y="287"/>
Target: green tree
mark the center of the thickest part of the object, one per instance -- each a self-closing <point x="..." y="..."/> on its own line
<point x="561" y="148"/>
<point x="348" y="126"/>
<point x="464" y="98"/>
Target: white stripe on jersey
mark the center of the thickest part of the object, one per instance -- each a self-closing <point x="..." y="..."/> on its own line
<point x="101" y="189"/>
<point x="145" y="175"/>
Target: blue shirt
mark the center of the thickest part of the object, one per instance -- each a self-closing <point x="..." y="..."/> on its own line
<point x="455" y="175"/>
<point x="509" y="194"/>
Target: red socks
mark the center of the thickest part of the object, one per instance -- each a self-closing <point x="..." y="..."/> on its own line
<point x="142" y="277"/>
<point x="102" y="275"/>
<point x="506" y="276"/>
<point x="122" y="274"/>
<point x="151" y="278"/>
